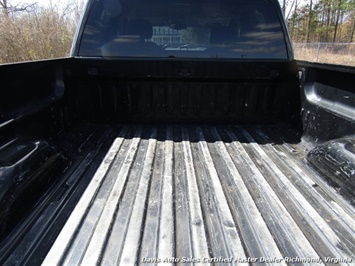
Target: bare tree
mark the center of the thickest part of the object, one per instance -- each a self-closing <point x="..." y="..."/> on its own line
<point x="5" y="8"/>
<point x="284" y="7"/>
<point x="45" y="32"/>
<point x="338" y="11"/>
<point x="8" y="8"/>
<point x="309" y="20"/>
<point x="352" y="32"/>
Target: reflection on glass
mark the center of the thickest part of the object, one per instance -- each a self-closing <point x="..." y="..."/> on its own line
<point x="175" y="28"/>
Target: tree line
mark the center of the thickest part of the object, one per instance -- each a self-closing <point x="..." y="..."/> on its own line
<point x="320" y="20"/>
<point x="31" y="32"/>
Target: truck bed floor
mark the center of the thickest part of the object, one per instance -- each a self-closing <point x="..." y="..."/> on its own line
<point x="205" y="194"/>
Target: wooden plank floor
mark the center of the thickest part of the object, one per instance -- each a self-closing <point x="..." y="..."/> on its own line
<point x="206" y="195"/>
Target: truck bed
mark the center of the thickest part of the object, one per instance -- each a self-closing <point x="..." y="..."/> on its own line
<point x="188" y="169"/>
<point x="188" y="193"/>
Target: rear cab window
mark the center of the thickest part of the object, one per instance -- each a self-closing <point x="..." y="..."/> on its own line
<point x="223" y="29"/>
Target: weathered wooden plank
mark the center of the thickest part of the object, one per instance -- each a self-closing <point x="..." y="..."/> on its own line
<point x="197" y="194"/>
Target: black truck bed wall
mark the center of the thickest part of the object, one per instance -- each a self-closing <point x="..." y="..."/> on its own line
<point x="107" y="91"/>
